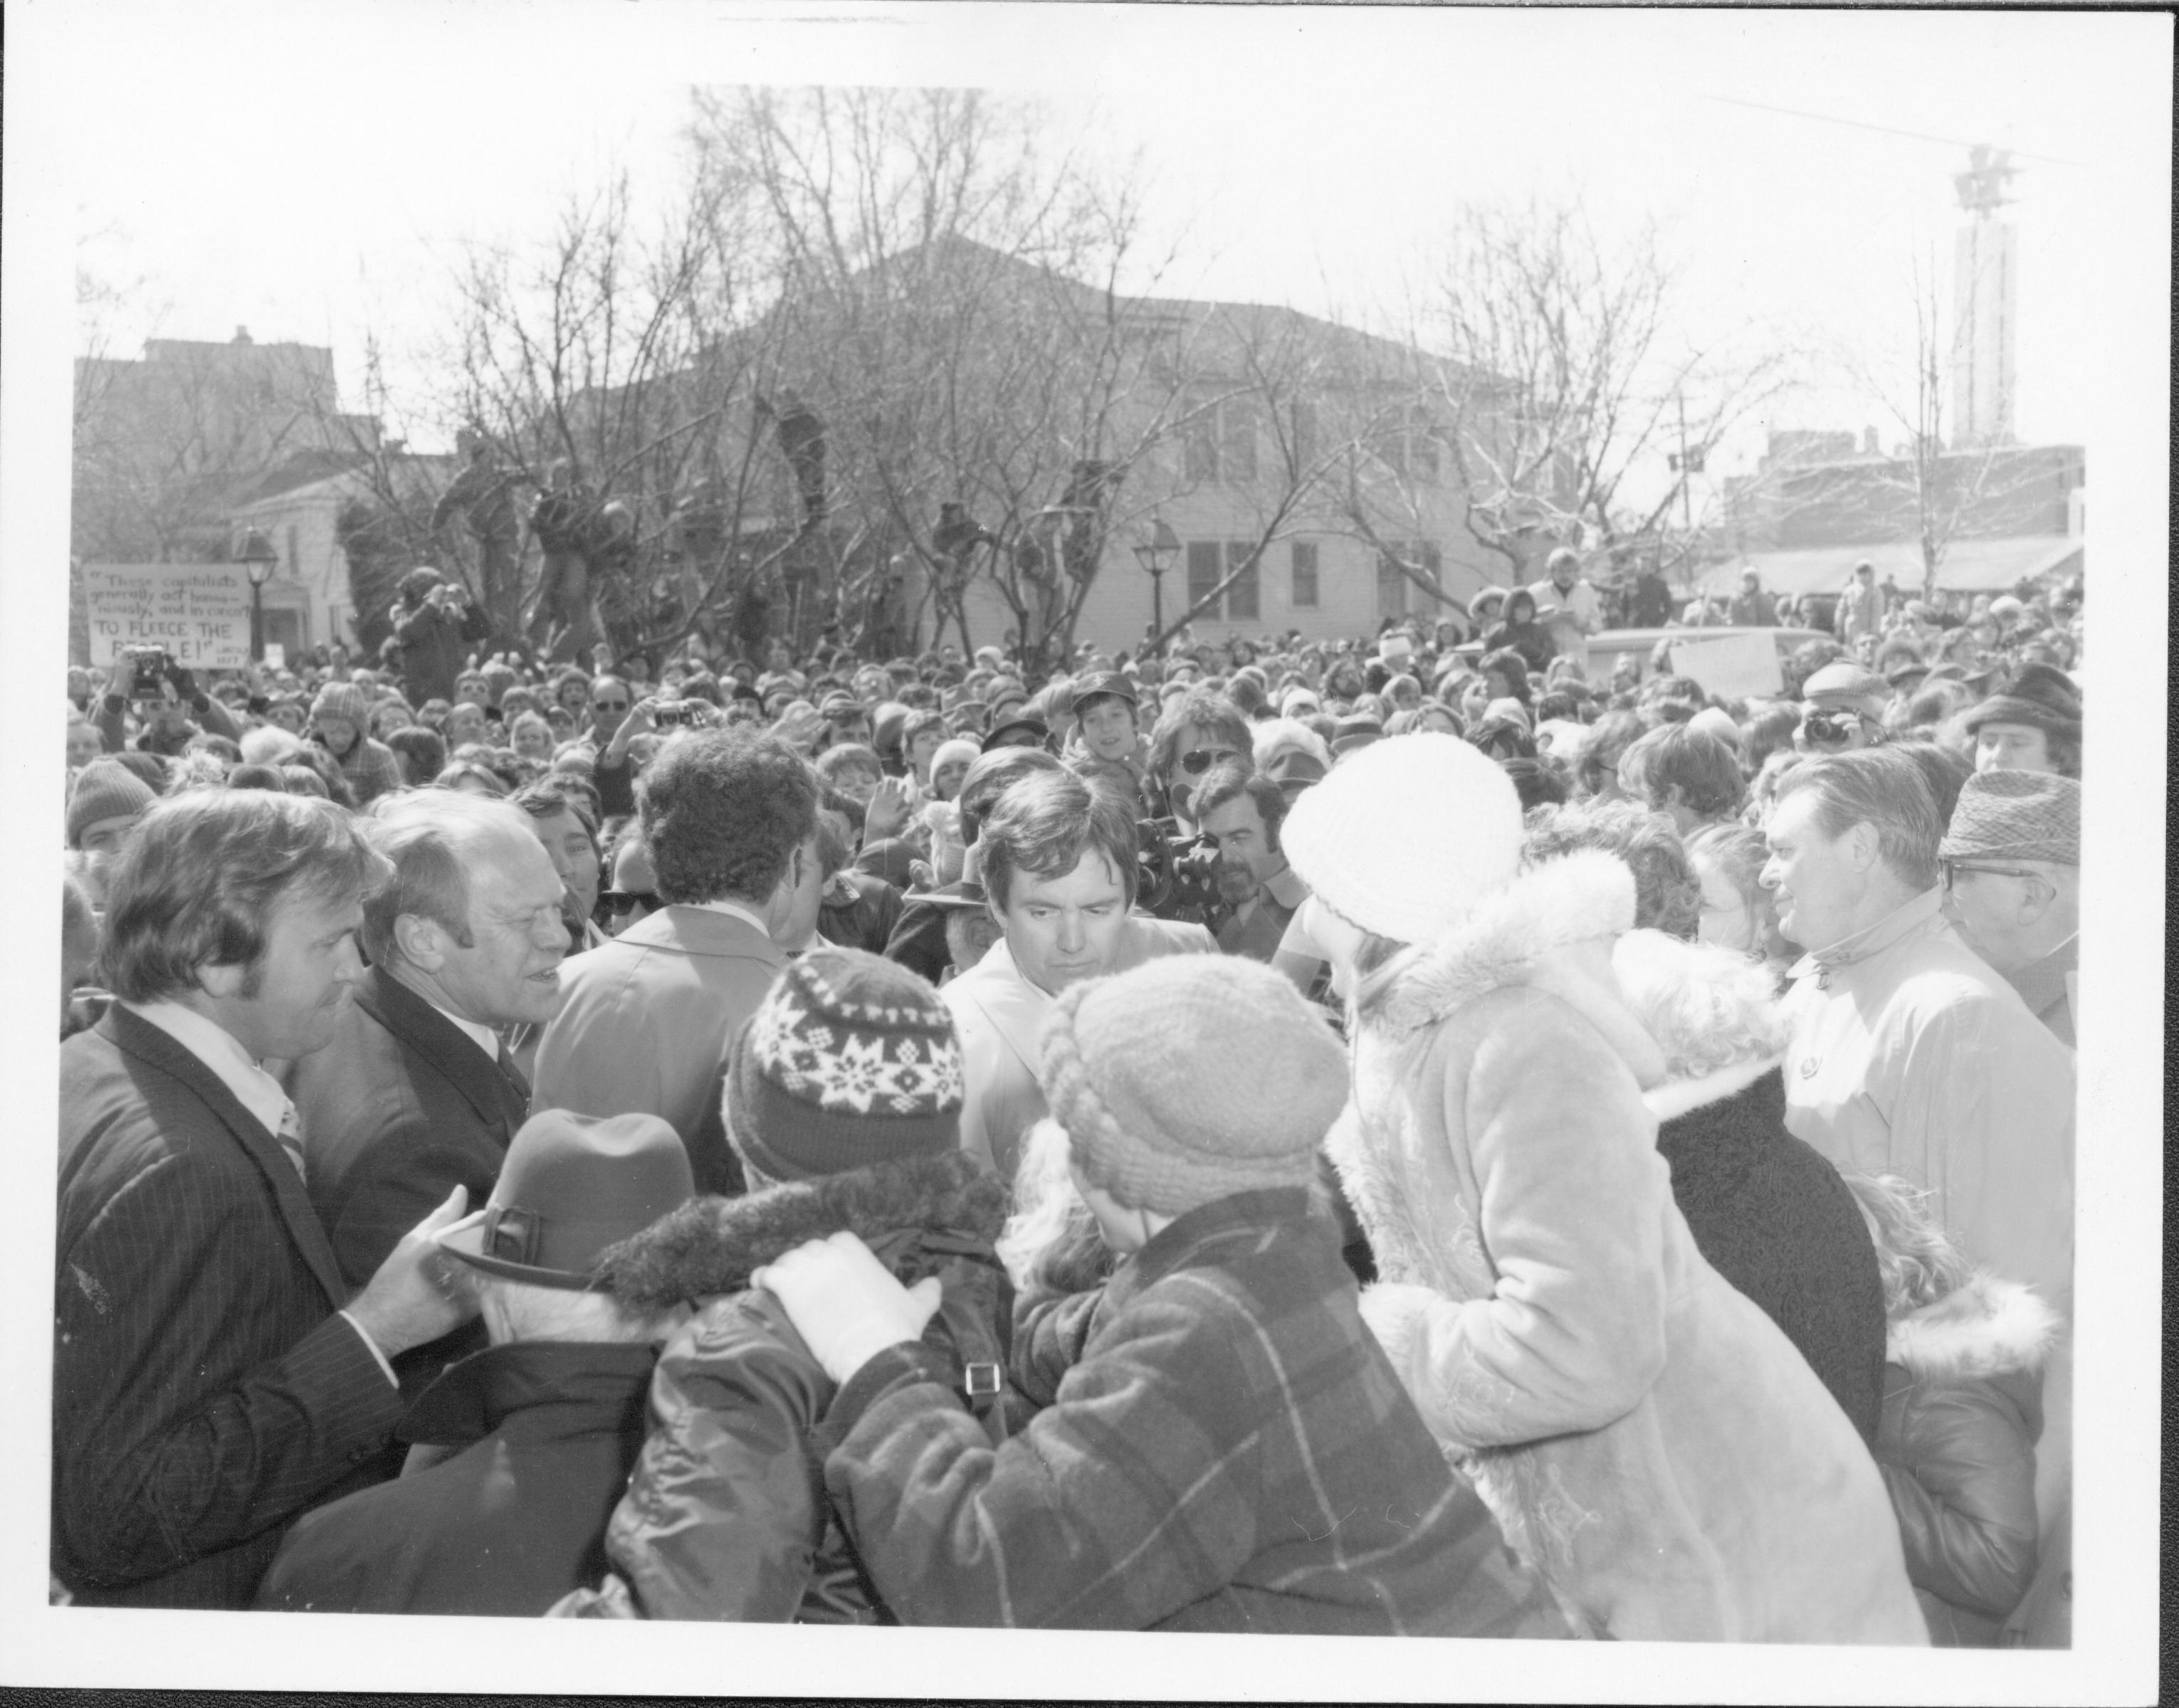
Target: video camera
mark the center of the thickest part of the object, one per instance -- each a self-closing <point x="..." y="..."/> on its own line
<point x="1174" y="875"/>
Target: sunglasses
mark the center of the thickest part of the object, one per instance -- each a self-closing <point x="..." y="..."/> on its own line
<point x="609" y="705"/>
<point x="626" y="901"/>
<point x="1948" y="870"/>
<point x="1198" y="760"/>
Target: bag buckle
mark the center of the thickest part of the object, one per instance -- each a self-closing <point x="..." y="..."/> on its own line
<point x="981" y="1380"/>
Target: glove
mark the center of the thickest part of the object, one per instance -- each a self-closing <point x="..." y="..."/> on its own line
<point x="846" y="1305"/>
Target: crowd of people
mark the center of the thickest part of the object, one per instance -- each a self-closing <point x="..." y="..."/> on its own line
<point x="1393" y="1137"/>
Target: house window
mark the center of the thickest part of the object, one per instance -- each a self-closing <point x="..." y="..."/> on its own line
<point x="1238" y="441"/>
<point x="1241" y="598"/>
<point x="1205" y="570"/>
<point x="1304" y="438"/>
<point x="1199" y="438"/>
<point x="1392" y="587"/>
<point x="1219" y="441"/>
<point x="1396" y="593"/>
<point x="1304" y="596"/>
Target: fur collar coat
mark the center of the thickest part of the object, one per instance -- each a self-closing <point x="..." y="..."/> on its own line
<point x="1645" y="1436"/>
<point x="1963" y="1409"/>
<point x="726" y="1516"/>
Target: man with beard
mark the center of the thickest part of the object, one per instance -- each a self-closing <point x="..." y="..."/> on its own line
<point x="1242" y="810"/>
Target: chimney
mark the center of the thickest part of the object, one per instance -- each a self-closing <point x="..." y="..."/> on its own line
<point x="241" y="335"/>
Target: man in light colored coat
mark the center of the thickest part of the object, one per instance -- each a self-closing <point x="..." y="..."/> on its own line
<point x="1058" y="857"/>
<point x="730" y="818"/>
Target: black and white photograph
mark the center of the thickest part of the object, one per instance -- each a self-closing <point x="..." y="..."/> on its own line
<point x="1262" y="835"/>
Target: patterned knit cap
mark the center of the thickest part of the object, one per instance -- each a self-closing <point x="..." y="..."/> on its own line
<point x="1189" y="1079"/>
<point x="342" y="700"/>
<point x="850" y="1060"/>
<point x="104" y="789"/>
<point x="2016" y="815"/>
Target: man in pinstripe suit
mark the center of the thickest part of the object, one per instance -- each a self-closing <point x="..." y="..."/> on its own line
<point x="212" y="1378"/>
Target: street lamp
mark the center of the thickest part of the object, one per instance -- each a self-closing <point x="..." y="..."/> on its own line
<point x="258" y="561"/>
<point x="1154" y="554"/>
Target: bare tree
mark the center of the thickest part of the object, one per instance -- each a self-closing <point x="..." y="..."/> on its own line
<point x="1565" y="379"/>
<point x="949" y="311"/>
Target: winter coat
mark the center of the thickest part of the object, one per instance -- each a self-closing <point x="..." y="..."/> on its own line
<point x="1230" y="1453"/>
<point x="726" y="1516"/>
<point x="1646" y="1438"/>
<point x="1774" y="1219"/>
<point x="510" y="1524"/>
<point x="1962" y="1407"/>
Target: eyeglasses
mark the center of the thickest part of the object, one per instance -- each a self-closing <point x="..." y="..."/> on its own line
<point x="1198" y="760"/>
<point x="609" y="705"/>
<point x="626" y="901"/>
<point x="1948" y="870"/>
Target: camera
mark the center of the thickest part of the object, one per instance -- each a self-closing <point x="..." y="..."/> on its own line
<point x="673" y="712"/>
<point x="153" y="666"/>
<point x="1829" y="729"/>
<point x="1175" y="875"/>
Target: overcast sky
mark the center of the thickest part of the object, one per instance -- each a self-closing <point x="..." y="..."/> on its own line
<point x="309" y="171"/>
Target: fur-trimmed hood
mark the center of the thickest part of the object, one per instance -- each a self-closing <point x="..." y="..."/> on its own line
<point x="712" y="1245"/>
<point x="1518" y="937"/>
<point x="1985" y="1326"/>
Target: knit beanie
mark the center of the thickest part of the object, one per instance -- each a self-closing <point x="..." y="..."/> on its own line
<point x="341" y="700"/>
<point x="958" y="748"/>
<point x="850" y="1060"/>
<point x="104" y="789"/>
<point x="1444" y="833"/>
<point x="1191" y="1078"/>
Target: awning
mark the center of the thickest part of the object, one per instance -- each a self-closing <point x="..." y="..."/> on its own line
<point x="1968" y="566"/>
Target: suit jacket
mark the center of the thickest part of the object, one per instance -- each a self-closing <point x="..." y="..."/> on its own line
<point x="205" y="1392"/>
<point x="510" y="1524"/>
<point x="643" y="1025"/>
<point x="396" y="1111"/>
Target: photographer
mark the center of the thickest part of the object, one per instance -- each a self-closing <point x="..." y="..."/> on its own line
<point x="435" y="626"/>
<point x="1841" y="709"/>
<point x="164" y="694"/>
<point x="1198" y="731"/>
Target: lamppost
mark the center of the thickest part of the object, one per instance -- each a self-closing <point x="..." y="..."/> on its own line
<point x="1156" y="553"/>
<point x="258" y="560"/>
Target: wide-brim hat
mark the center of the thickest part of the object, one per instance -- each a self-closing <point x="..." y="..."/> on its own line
<point x="570" y="1186"/>
<point x="2039" y="696"/>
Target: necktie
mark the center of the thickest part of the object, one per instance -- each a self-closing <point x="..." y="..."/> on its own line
<point x="290" y="1135"/>
<point x="515" y="1082"/>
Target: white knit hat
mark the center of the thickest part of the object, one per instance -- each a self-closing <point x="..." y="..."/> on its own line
<point x="1406" y="837"/>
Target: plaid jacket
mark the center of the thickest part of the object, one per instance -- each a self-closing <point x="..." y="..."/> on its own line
<point x="1232" y="1452"/>
<point x="370" y="769"/>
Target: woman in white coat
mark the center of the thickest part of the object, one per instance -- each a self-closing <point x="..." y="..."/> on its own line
<point x="1646" y="1438"/>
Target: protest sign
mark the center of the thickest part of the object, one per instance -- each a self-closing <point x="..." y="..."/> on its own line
<point x="1732" y="667"/>
<point x="276" y="656"/>
<point x="198" y="612"/>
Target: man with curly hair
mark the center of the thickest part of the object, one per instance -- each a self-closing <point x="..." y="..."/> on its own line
<point x="730" y="818"/>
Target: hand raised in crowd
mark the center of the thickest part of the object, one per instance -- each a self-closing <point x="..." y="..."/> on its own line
<point x="416" y="1296"/>
<point x="888" y="812"/>
<point x="845" y="1304"/>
